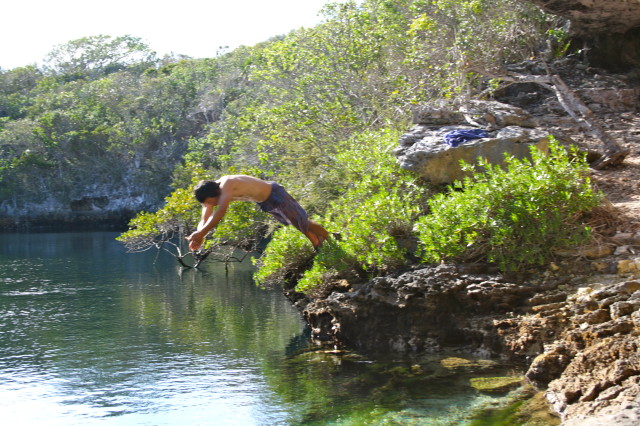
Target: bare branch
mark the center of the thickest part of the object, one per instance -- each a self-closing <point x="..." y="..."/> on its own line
<point x="574" y="106"/>
<point x="614" y="153"/>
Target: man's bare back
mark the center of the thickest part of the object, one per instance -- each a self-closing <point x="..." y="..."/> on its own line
<point x="244" y="188"/>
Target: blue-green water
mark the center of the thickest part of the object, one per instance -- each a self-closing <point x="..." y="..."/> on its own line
<point x="92" y="335"/>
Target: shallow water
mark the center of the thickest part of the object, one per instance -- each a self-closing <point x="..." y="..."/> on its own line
<point x="91" y="334"/>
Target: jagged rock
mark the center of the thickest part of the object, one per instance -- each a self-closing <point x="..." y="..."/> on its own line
<point x="423" y="150"/>
<point x="549" y="365"/>
<point x="493" y="115"/>
<point x="596" y="16"/>
<point x="582" y="342"/>
<point x="420" y="311"/>
<point x="489" y="114"/>
<point x="598" y="378"/>
<point x="437" y="114"/>
<point x="593" y="367"/>
<point x="628" y="266"/>
<point x="591" y="251"/>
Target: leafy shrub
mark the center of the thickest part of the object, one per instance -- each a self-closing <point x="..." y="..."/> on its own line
<point x="370" y="241"/>
<point x="371" y="232"/>
<point x="284" y="259"/>
<point x="331" y="263"/>
<point x="516" y="216"/>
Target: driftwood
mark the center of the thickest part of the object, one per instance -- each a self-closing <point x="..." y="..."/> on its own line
<point x="614" y="153"/>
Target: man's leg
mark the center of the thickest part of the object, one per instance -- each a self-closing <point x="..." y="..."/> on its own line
<point x="315" y="241"/>
<point x="282" y="206"/>
<point x="318" y="233"/>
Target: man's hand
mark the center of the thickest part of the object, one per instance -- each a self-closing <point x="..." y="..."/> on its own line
<point x="195" y="240"/>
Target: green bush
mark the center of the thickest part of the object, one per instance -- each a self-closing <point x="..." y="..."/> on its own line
<point x="370" y="241"/>
<point x="372" y="232"/>
<point x="516" y="217"/>
<point x="288" y="254"/>
<point x="331" y="263"/>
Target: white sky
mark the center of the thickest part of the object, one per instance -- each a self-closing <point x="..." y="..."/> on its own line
<point x="29" y="29"/>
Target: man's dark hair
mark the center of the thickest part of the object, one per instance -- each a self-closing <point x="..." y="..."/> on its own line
<point x="205" y="189"/>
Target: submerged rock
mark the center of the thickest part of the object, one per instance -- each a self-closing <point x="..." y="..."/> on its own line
<point x="457" y="363"/>
<point x="495" y="384"/>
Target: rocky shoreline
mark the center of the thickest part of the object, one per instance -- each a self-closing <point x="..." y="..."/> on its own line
<point x="575" y="326"/>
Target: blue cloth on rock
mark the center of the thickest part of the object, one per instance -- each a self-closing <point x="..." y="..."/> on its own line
<point x="284" y="208"/>
<point x="457" y="137"/>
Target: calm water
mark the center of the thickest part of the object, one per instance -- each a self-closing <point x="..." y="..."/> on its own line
<point x="92" y="335"/>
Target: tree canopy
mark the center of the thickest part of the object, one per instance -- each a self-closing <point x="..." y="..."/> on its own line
<point x="107" y="117"/>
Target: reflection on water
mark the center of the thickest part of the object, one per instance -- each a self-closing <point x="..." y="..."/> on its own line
<point x="89" y="333"/>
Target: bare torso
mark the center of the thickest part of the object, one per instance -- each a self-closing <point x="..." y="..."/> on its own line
<point x="244" y="188"/>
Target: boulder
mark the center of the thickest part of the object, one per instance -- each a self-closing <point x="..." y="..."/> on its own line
<point x="509" y="129"/>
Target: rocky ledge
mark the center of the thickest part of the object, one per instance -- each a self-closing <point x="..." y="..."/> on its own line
<point x="576" y="328"/>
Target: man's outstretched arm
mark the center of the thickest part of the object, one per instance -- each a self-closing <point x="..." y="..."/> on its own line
<point x="208" y="222"/>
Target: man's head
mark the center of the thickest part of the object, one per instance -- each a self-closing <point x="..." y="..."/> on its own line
<point x="205" y="189"/>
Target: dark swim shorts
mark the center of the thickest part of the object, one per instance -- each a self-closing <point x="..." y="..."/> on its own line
<point x="284" y="208"/>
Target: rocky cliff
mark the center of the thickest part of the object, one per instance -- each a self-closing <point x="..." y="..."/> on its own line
<point x="606" y="32"/>
<point x="580" y="335"/>
<point x="576" y="325"/>
<point x="589" y="17"/>
<point x="99" y="208"/>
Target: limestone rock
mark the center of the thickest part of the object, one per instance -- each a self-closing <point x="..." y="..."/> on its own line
<point x="419" y="311"/>
<point x="495" y="384"/>
<point x="582" y="340"/>
<point x="457" y="364"/>
<point x="549" y="365"/>
<point x="431" y="158"/>
<point x="510" y="131"/>
<point x="597" y="377"/>
<point x="596" y="16"/>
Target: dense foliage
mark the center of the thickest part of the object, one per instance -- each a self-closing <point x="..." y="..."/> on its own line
<point x="318" y="109"/>
<point x="516" y="216"/>
<point x="105" y="117"/>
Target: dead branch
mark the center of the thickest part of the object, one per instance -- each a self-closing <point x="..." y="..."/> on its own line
<point x="614" y="153"/>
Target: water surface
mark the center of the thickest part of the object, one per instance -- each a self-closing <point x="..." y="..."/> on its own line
<point x="90" y="334"/>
